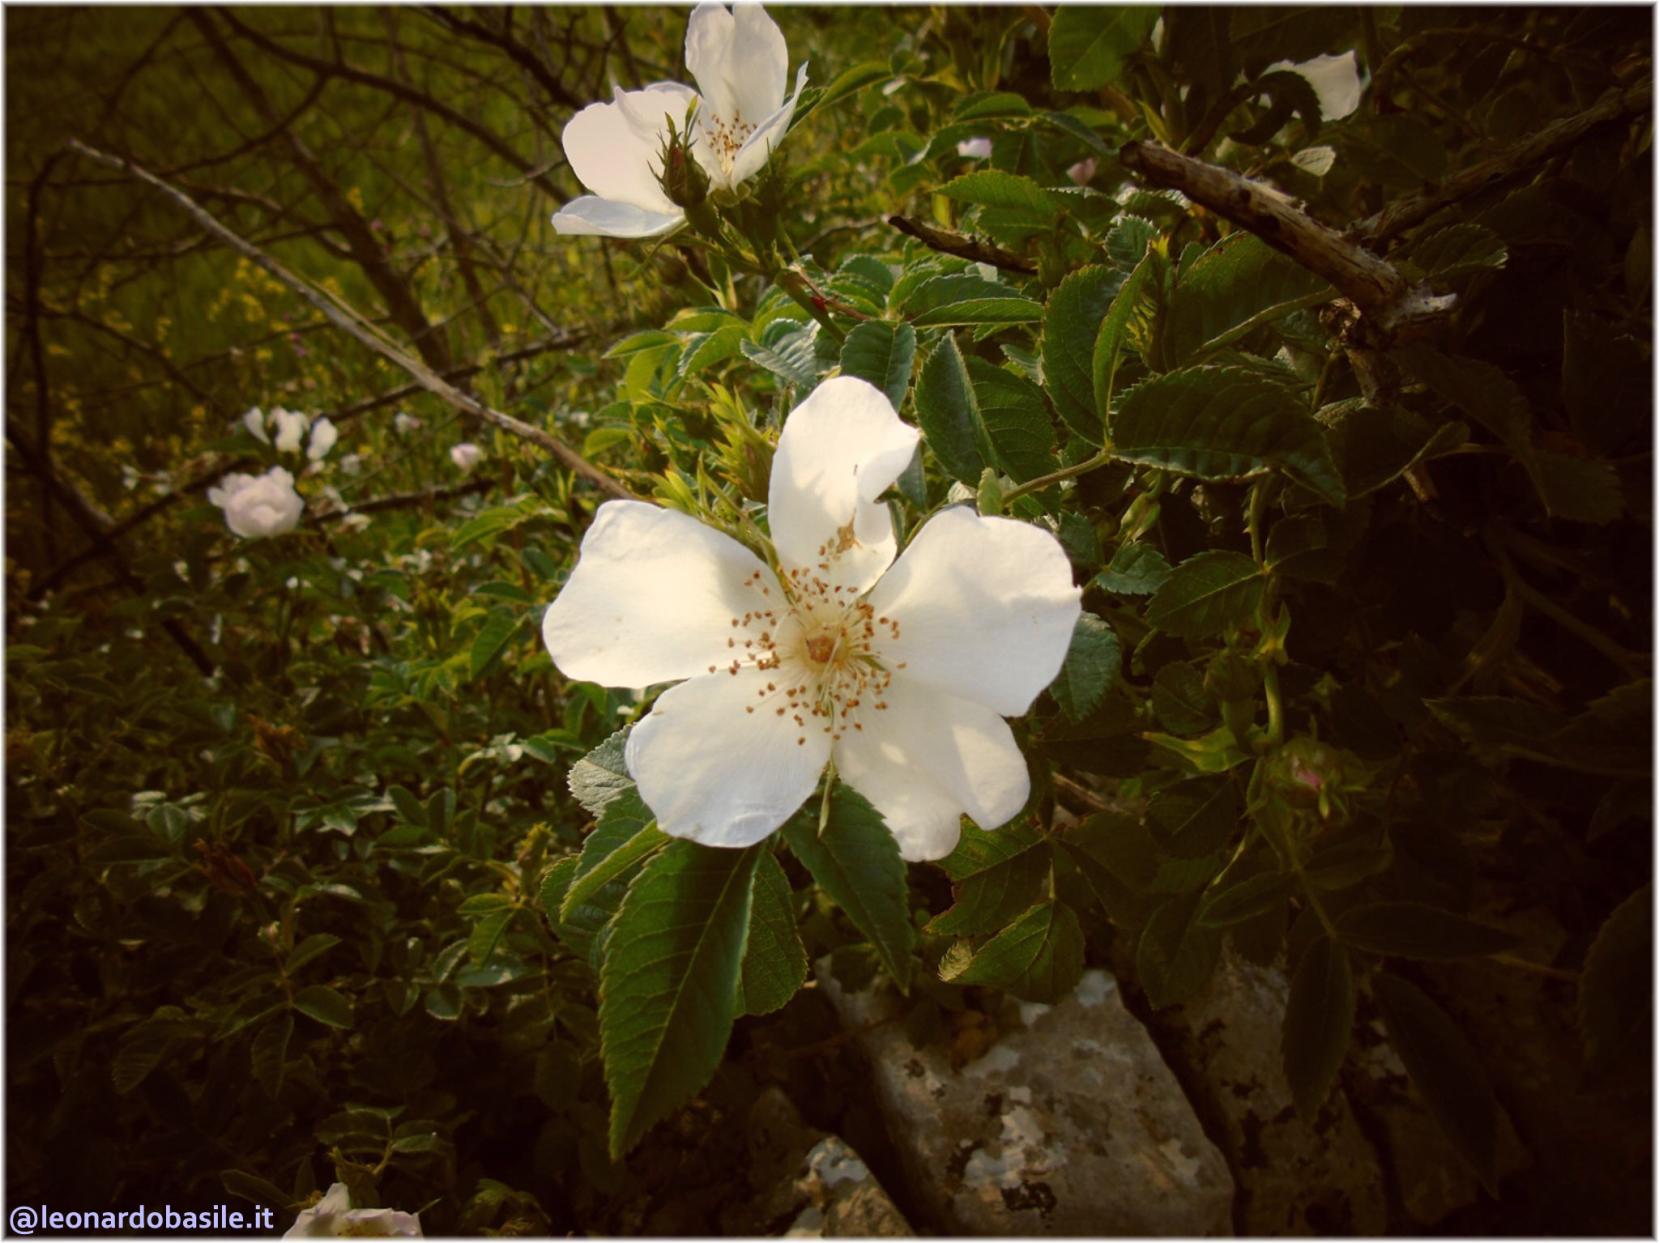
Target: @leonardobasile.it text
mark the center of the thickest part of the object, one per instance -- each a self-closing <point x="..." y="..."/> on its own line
<point x="217" y="1219"/>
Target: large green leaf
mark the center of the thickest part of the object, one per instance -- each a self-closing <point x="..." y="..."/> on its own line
<point x="948" y="411"/>
<point x="625" y="836"/>
<point x="1091" y="668"/>
<point x="1071" y="323"/>
<point x="1127" y="324"/>
<point x="668" y="989"/>
<point x="1447" y="1072"/>
<point x="1177" y="954"/>
<point x="1038" y="957"/>
<point x="881" y="352"/>
<point x="988" y="899"/>
<point x="1233" y="287"/>
<point x="1015" y="418"/>
<point x="965" y="299"/>
<point x="1087" y="44"/>
<point x="856" y="862"/>
<point x="1135" y="570"/>
<point x="1319" y="1020"/>
<point x="774" y="964"/>
<point x="1416" y="930"/>
<point x="500" y="625"/>
<point x="1207" y="593"/>
<point x="601" y="775"/>
<point x="1223" y="423"/>
<point x="1018" y="199"/>
<point x="978" y="850"/>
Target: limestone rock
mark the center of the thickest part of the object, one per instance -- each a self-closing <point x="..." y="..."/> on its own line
<point x="1069" y="1124"/>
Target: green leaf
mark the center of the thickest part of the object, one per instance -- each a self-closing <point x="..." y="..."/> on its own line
<point x="668" y="988"/>
<point x="251" y="1187"/>
<point x="1091" y="668"/>
<point x="1480" y="390"/>
<point x="1176" y="955"/>
<point x="1018" y="197"/>
<point x="1447" y="1072"/>
<point x="1015" y="419"/>
<point x="602" y="774"/>
<point x="774" y="964"/>
<point x="1233" y="287"/>
<point x="1128" y="239"/>
<point x="1136" y="570"/>
<point x="1372" y="448"/>
<point x="978" y="850"/>
<point x="948" y="411"/>
<point x="486" y="935"/>
<point x="856" y="862"/>
<point x="1088" y="44"/>
<point x="142" y="1050"/>
<point x="492" y="522"/>
<point x="1038" y="957"/>
<point x="323" y="1004"/>
<point x="1243" y="900"/>
<point x="314" y="945"/>
<point x="1194" y="818"/>
<point x="1206" y="594"/>
<point x="1319" y="1021"/>
<point x="626" y="835"/>
<point x="1180" y="700"/>
<point x="1615" y="989"/>
<point x="986" y="105"/>
<point x="409" y="807"/>
<point x="964" y="299"/>
<point x="268" y="1054"/>
<point x="1577" y="489"/>
<point x="988" y="899"/>
<point x="883" y="353"/>
<point x="1224" y="423"/>
<point x="791" y="358"/>
<point x="1458" y="250"/>
<point x="849" y="82"/>
<point x="1128" y="324"/>
<point x="1071" y="323"/>
<point x="499" y="626"/>
<point x="1288" y="93"/>
<point x="1416" y="930"/>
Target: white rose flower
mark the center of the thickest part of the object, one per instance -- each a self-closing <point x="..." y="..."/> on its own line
<point x="741" y="63"/>
<point x="323" y="437"/>
<point x="974" y="148"/>
<point x="900" y="672"/>
<point x="290" y="429"/>
<point x="466" y="455"/>
<point x="257" y="506"/>
<point x="333" y="1217"/>
<point x="254" y="421"/>
<point x="1335" y="79"/>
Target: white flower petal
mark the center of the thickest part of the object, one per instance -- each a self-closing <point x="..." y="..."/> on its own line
<point x="985" y="609"/>
<point x="652" y="599"/>
<point x="1335" y="79"/>
<point x="928" y="758"/>
<point x="714" y="771"/>
<point x="840" y="449"/>
<point x="324" y="435"/>
<point x="595" y="216"/>
<point x="615" y="148"/>
<point x="739" y="59"/>
<point x="757" y="148"/>
<point x="254" y="421"/>
<point x="974" y="148"/>
<point x="257" y="506"/>
<point x="290" y="425"/>
<point x="1315" y="160"/>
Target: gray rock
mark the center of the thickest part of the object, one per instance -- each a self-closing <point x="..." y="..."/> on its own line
<point x="1069" y="1123"/>
<point x="1296" y="1176"/>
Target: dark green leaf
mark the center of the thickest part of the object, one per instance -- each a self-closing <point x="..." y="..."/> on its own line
<point x="323" y="1004"/>
<point x="1087" y="44"/>
<point x="1416" y="930"/>
<point x="1206" y="594"/>
<point x="948" y="411"/>
<point x="791" y="358"/>
<point x="1136" y="570"/>
<point x="988" y="899"/>
<point x="1071" y="323"/>
<point x="1319" y="1020"/>
<point x="268" y="1054"/>
<point x="1195" y="818"/>
<point x="883" y="353"/>
<point x="499" y="626"/>
<point x="1128" y="239"/>
<point x="1015" y="418"/>
<point x="1243" y="900"/>
<point x="1458" y="250"/>
<point x="1016" y="197"/>
<point x="316" y="944"/>
<point x="1180" y="700"/>
<point x="625" y="835"/>
<point x="1127" y="325"/>
<point x="1615" y="989"/>
<point x="1091" y="668"/>
<point x="965" y="299"/>
<point x="602" y="774"/>
<point x="774" y="963"/>
<point x="1038" y="957"/>
<point x="979" y="850"/>
<point x="1177" y="954"/>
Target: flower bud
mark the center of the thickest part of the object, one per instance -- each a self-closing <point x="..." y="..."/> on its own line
<point x="682" y="177"/>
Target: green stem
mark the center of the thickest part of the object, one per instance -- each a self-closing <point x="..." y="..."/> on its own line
<point x="1066" y="472"/>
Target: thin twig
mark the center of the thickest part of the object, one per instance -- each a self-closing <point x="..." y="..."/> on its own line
<point x="962" y="246"/>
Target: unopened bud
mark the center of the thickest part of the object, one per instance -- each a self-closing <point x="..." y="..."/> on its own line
<point x="682" y="178"/>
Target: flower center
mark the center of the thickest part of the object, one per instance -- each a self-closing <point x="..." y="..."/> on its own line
<point x="726" y="136"/>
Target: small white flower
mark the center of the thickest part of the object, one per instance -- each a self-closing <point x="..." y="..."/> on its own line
<point x="1335" y="79"/>
<point x="405" y="423"/>
<point x="741" y="63"/>
<point x="1082" y="172"/>
<point x="333" y="1217"/>
<point x="974" y="148"/>
<point x="323" y="437"/>
<point x="354" y="522"/>
<point x="290" y="429"/>
<point x="1315" y="160"/>
<point x="899" y="671"/>
<point x="257" y="506"/>
<point x="254" y="421"/>
<point x="466" y="455"/>
<point x="351" y="464"/>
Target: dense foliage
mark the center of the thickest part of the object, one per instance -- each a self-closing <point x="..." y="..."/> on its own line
<point x="318" y="869"/>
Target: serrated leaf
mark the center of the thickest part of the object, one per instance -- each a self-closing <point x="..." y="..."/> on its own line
<point x="1319" y="1022"/>
<point x="1127" y="324"/>
<point x="1480" y="390"/>
<point x="963" y="300"/>
<point x="1446" y="1071"/>
<point x="323" y="1004"/>
<point x="979" y="850"/>
<point x="499" y="627"/>
<point x="1087" y="44"/>
<point x="1015" y="419"/>
<point x="1136" y="570"/>
<point x="1071" y="323"/>
<point x="988" y="899"/>
<point x="1223" y="423"/>
<point x="948" y="410"/>
<point x="486" y="935"/>
<point x="1615" y="989"/>
<point x="1233" y="287"/>
<point x="1243" y="900"/>
<point x="1038" y="957"/>
<point x="1194" y="818"/>
<point x="792" y="358"/>
<point x="1128" y="239"/>
<point x="1176" y="955"/>
<point x="625" y="836"/>
<point x="1019" y="196"/>
<point x="1206" y="594"/>
<point x="986" y="105"/>
<point x="602" y="774"/>
<point x="1417" y="930"/>
<point x="268" y="1054"/>
<point x="774" y="963"/>
<point x="883" y="353"/>
<point x="668" y="988"/>
<point x="1092" y="663"/>
<point x="1458" y="250"/>
<point x="856" y="862"/>
<point x="1372" y="448"/>
<point x="251" y="1187"/>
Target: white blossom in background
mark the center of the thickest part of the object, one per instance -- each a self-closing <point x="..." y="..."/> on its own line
<point x="1082" y="172"/>
<point x="741" y="64"/>
<point x="405" y="423"/>
<point x="324" y="435"/>
<point x="290" y="429"/>
<point x="1315" y="160"/>
<point x="351" y="464"/>
<point x="974" y="148"/>
<point x="258" y="506"/>
<point x="899" y="671"/>
<point x="1335" y="79"/>
<point x="254" y="421"/>
<point x="466" y="455"/>
<point x="333" y="1217"/>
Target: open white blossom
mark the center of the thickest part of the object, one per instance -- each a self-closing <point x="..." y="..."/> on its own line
<point x="254" y="421"/>
<point x="900" y="672"/>
<point x="324" y="435"/>
<point x="257" y="506"/>
<point x="1335" y="79"/>
<point x="333" y="1217"/>
<point x="290" y="429"/>
<point x="740" y="62"/>
<point x="466" y="455"/>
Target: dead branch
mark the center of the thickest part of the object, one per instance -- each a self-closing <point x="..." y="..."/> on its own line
<point x="960" y="245"/>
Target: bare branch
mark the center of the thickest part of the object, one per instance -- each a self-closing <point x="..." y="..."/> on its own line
<point x="961" y="246"/>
